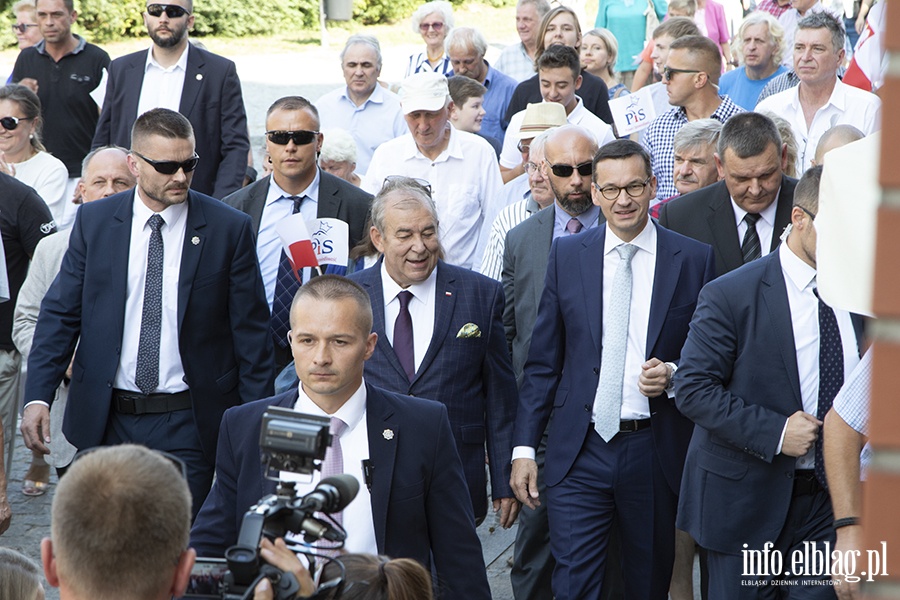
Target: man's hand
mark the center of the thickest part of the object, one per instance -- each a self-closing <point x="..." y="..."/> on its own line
<point x="5" y="514"/>
<point x="30" y="83"/>
<point x="36" y="427"/>
<point x="801" y="433"/>
<point x="849" y="538"/>
<point x="509" y="510"/>
<point x="654" y="378"/>
<point x="278" y="555"/>
<point x="524" y="482"/>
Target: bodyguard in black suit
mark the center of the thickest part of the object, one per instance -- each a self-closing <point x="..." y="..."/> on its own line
<point x="210" y="98"/>
<point x="750" y="158"/>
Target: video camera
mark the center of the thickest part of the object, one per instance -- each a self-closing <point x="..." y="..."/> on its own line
<point x="293" y="442"/>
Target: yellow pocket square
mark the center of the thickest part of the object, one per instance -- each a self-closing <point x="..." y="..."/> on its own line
<point x="469" y="330"/>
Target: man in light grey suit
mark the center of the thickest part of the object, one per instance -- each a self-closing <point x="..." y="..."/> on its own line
<point x="524" y="267"/>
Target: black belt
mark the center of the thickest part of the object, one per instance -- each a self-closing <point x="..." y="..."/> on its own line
<point x="136" y="403"/>
<point x="632" y="426"/>
<point x="805" y="483"/>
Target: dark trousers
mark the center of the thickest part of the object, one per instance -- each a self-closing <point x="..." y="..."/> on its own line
<point x="622" y="482"/>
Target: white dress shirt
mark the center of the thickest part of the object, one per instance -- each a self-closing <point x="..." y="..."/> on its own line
<point x="357" y="516"/>
<point x="162" y="86"/>
<point x="765" y="226"/>
<point x="421" y="310"/>
<point x="171" y="371"/>
<point x="268" y="244"/>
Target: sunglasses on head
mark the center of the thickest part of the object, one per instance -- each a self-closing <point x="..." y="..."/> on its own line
<point x="301" y="138"/>
<point x="172" y="11"/>
<point x="584" y="169"/>
<point x="22" y="27"/>
<point x="170" y="167"/>
<point x="10" y="123"/>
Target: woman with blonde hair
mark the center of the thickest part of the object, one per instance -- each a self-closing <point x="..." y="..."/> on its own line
<point x="599" y="50"/>
<point x="20" y="577"/>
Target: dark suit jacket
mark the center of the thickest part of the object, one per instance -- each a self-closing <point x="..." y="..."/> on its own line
<point x="738" y="382"/>
<point x="223" y="317"/>
<point x="707" y="215"/>
<point x="419" y="505"/>
<point x="563" y="366"/>
<point x="210" y="99"/>
<point x="471" y="376"/>
<point x="337" y="200"/>
<point x="593" y="92"/>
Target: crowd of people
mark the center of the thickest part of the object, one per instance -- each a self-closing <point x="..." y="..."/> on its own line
<point x="616" y="335"/>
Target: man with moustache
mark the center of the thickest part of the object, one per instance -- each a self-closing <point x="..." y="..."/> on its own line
<point x="695" y="161"/>
<point x="177" y="75"/>
<point x="162" y="285"/>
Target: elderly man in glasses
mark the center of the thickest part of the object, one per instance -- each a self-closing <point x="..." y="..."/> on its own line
<point x="162" y="285"/>
<point x="296" y="184"/>
<point x="177" y="75"/>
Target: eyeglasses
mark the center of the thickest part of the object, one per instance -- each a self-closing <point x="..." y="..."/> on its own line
<point x="811" y="216"/>
<point x="612" y="192"/>
<point x="584" y="169"/>
<point x="170" y="167"/>
<point x="10" y="123"/>
<point x="423" y="27"/>
<point x="22" y="27"/>
<point x="668" y="71"/>
<point x="392" y="182"/>
<point x="172" y="11"/>
<point x="523" y="147"/>
<point x="301" y="138"/>
<point x="531" y="167"/>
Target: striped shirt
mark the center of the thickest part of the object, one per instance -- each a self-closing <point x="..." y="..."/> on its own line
<point x="509" y="217"/>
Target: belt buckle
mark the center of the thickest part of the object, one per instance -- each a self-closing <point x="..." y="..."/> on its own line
<point x="128" y="403"/>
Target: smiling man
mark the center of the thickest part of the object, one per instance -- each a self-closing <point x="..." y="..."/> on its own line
<point x="517" y="60"/>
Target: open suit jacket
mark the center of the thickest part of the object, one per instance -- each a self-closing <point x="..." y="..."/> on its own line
<point x="471" y="376"/>
<point x="738" y="381"/>
<point x="563" y="366"/>
<point x="210" y="99"/>
<point x="223" y="317"/>
<point x="419" y="503"/>
<point x="707" y="215"/>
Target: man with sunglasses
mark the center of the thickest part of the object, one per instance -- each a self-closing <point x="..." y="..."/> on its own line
<point x="177" y="75"/>
<point x="691" y="76"/>
<point x="163" y="287"/>
<point x="296" y="184"/>
<point x="63" y="70"/>
<point x="610" y="326"/>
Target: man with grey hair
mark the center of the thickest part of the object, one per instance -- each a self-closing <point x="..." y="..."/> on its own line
<point x="761" y="46"/>
<point x="695" y="163"/>
<point x="517" y="60"/>
<point x="369" y="111"/>
<point x="441" y="337"/>
<point x="466" y="48"/>
<point x="818" y="52"/>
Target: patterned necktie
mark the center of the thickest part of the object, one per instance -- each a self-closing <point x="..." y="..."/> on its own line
<point x="573" y="226"/>
<point x="331" y="466"/>
<point x="608" y="398"/>
<point x="831" y="373"/>
<point x="146" y="375"/>
<point x="750" y="247"/>
<point x="403" y="336"/>
<point x="286" y="285"/>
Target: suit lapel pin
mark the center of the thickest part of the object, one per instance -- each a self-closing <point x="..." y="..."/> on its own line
<point x="388" y="434"/>
<point x="448" y="293"/>
<point x="195" y="240"/>
<point x="199" y="76"/>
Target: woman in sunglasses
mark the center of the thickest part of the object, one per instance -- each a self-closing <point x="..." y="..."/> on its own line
<point x="433" y="21"/>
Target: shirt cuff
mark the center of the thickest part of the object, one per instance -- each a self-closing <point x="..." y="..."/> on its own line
<point x="41" y="402"/>
<point x="781" y="441"/>
<point x="670" y="389"/>
<point x="523" y="452"/>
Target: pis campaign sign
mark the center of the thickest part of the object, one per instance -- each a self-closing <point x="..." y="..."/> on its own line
<point x="328" y="244"/>
<point x="633" y="112"/>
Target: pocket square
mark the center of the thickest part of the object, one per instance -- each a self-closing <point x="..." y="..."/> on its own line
<point x="469" y="330"/>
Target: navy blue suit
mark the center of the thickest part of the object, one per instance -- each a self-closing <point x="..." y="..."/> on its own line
<point x="210" y="99"/>
<point x="419" y="504"/>
<point x="561" y="377"/>
<point x="223" y="318"/>
<point x="472" y="376"/>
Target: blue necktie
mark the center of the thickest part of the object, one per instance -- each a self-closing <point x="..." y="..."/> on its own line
<point x="831" y="373"/>
<point x="146" y="375"/>
<point x="286" y="285"/>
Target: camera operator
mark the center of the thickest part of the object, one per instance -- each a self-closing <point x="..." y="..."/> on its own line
<point x="417" y="505"/>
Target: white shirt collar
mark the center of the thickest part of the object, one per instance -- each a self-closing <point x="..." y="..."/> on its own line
<point x="767" y="214"/>
<point x="181" y="64"/>
<point x="645" y="240"/>
<point x="351" y="412"/>
<point x="453" y="149"/>
<point x="376" y="97"/>
<point x="275" y="192"/>
<point x="795" y="269"/>
<point x="420" y="290"/>
<point x="171" y="215"/>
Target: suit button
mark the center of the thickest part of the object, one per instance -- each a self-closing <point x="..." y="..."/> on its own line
<point x="789" y="475"/>
<point x="587" y="408"/>
<point x="411" y="395"/>
<point x="596" y="370"/>
<point x="109" y="384"/>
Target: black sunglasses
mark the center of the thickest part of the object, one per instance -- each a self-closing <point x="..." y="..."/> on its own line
<point x="301" y="138"/>
<point x="23" y="27"/>
<point x="584" y="169"/>
<point x="172" y="11"/>
<point x="10" y="123"/>
<point x="170" y="167"/>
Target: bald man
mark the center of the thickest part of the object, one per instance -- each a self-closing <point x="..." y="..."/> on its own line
<point x="837" y="136"/>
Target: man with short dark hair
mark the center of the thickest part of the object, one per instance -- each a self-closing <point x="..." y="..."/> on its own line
<point x="161" y="289"/>
<point x="467" y="111"/>
<point x="517" y="60"/>
<point x="178" y="75"/>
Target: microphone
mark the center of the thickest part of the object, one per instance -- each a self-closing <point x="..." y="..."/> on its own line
<point x="333" y="494"/>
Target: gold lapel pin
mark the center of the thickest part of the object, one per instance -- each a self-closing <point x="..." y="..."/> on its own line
<point x="388" y="434"/>
<point x="195" y="240"/>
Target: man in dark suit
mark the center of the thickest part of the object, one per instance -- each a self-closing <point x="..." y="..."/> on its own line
<point x="742" y="216"/>
<point x="297" y="184"/>
<point x="441" y="337"/>
<point x="417" y="506"/>
<point x="176" y="74"/>
<point x="162" y="285"/>
<point x="759" y="371"/>
<point x="612" y="319"/>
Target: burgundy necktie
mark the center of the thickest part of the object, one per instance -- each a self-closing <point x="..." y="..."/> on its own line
<point x="573" y="226"/>
<point x="403" y="336"/>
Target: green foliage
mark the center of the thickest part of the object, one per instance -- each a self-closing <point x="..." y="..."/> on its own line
<point x="108" y="20"/>
<point x="371" y="12"/>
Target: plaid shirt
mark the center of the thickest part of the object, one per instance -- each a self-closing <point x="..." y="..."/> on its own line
<point x="785" y="81"/>
<point x="660" y="135"/>
<point x="515" y="62"/>
<point x="772" y="7"/>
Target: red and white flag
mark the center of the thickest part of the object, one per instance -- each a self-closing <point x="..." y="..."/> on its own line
<point x="297" y="242"/>
<point x="868" y="65"/>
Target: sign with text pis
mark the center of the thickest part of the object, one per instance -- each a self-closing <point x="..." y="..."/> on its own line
<point x="633" y="113"/>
